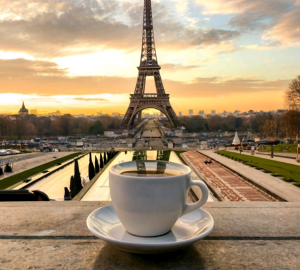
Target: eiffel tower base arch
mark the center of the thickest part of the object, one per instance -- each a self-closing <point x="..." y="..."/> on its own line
<point x="139" y="103"/>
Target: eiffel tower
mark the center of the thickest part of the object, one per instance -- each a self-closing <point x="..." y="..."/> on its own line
<point x="140" y="101"/>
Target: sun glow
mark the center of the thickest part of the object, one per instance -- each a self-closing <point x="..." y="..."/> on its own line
<point x="10" y="102"/>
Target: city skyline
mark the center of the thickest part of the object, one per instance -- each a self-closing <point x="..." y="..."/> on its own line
<point x="236" y="55"/>
<point x="190" y="112"/>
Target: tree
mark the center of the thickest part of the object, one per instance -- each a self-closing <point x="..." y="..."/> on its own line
<point x="194" y="123"/>
<point x="101" y="162"/>
<point x="104" y="158"/>
<point x="97" y="168"/>
<point x="292" y="123"/>
<point x="91" y="168"/>
<point x="269" y="128"/>
<point x="292" y="94"/>
<point x="72" y="186"/>
<point x="77" y="179"/>
<point x="215" y="123"/>
<point x="96" y="128"/>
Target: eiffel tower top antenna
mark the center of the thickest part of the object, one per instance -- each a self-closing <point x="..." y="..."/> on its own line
<point x="148" y="55"/>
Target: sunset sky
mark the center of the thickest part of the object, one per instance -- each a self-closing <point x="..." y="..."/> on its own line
<point x="81" y="56"/>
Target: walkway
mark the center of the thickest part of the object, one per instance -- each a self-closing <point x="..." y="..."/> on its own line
<point x="174" y="158"/>
<point x="285" y="190"/>
<point x="231" y="187"/>
<point x="151" y="130"/>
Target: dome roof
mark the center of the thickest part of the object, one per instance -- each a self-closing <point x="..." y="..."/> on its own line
<point x="23" y="109"/>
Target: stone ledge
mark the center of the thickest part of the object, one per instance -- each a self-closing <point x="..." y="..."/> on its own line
<point x="232" y="219"/>
<point x="53" y="235"/>
<point x="95" y="255"/>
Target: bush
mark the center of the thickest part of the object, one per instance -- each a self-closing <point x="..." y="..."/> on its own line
<point x="297" y="185"/>
<point x="288" y="179"/>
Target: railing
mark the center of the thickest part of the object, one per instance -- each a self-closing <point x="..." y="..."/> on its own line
<point x="149" y="95"/>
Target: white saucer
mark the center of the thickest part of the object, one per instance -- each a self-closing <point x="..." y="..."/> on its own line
<point x="105" y="224"/>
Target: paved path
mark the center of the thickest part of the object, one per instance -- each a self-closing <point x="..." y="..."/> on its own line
<point x="287" y="155"/>
<point x="28" y="161"/>
<point x="151" y="130"/>
<point x="280" y="159"/>
<point x="285" y="190"/>
<point x="232" y="187"/>
<point x="176" y="159"/>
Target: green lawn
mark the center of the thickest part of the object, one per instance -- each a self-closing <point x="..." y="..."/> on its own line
<point x="14" y="179"/>
<point x="280" y="148"/>
<point x="290" y="172"/>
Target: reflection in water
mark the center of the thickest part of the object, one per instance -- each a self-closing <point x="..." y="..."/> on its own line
<point x="141" y="156"/>
<point x="160" y="155"/>
<point x="161" y="167"/>
<point x="140" y="166"/>
<point x="148" y="155"/>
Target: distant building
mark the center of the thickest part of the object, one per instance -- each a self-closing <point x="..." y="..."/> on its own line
<point x="224" y="113"/>
<point x="180" y="114"/>
<point x="57" y="113"/>
<point x="23" y="111"/>
<point x="236" y="113"/>
<point x="99" y="113"/>
<point x="115" y="133"/>
<point x="34" y="111"/>
<point x="191" y="112"/>
<point x="201" y="112"/>
<point x="213" y="112"/>
<point x="281" y="111"/>
<point x="115" y="114"/>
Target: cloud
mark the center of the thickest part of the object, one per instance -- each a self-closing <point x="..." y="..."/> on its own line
<point x="46" y="29"/>
<point x="286" y="30"/>
<point x="14" y="68"/>
<point x="224" y="47"/>
<point x="216" y="87"/>
<point x="244" y="6"/>
<point x="206" y="80"/>
<point x="276" y="19"/>
<point x="178" y="67"/>
<point x="91" y="99"/>
<point x="26" y="80"/>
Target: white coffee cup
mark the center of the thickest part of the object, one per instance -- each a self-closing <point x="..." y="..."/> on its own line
<point x="150" y="206"/>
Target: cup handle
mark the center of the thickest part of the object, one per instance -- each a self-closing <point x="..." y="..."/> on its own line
<point x="204" y="196"/>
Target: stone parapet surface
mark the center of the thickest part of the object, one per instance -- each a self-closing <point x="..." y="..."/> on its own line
<point x="53" y="235"/>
